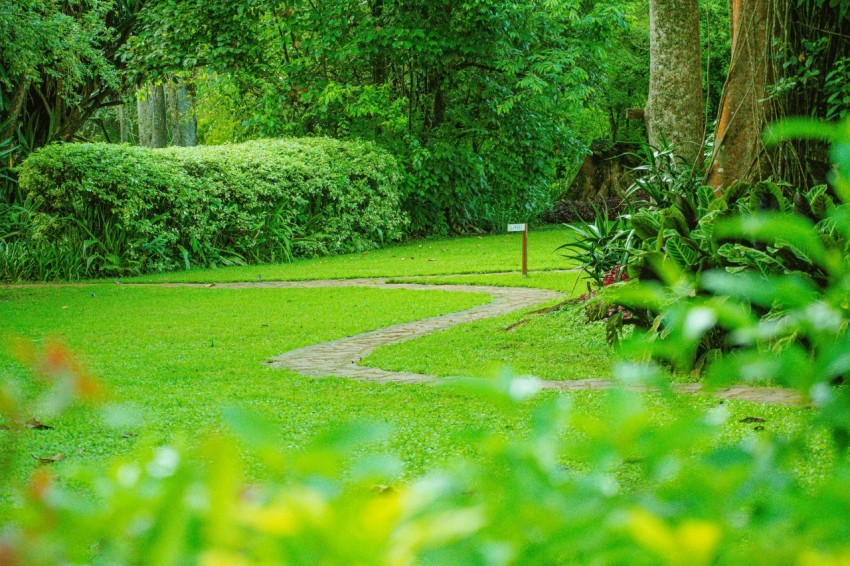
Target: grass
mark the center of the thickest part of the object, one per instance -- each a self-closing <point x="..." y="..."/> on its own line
<point x="173" y="358"/>
<point x="557" y="346"/>
<point x="484" y="254"/>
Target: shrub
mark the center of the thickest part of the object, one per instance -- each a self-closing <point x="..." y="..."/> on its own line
<point x="141" y="210"/>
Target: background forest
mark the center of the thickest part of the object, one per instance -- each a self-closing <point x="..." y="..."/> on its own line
<point x="490" y="107"/>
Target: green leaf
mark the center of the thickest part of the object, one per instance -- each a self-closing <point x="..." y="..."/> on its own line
<point x="649" y="295"/>
<point x="788" y="291"/>
<point x="805" y="128"/>
<point x="680" y="252"/>
<point x="770" y="228"/>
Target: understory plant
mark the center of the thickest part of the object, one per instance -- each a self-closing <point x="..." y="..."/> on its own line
<point x="683" y="231"/>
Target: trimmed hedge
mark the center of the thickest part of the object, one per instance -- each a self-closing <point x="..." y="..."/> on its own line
<point x="142" y="210"/>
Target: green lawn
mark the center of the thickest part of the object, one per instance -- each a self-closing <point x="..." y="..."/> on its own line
<point x="176" y="356"/>
<point x="484" y="254"/>
<point x="558" y="346"/>
<point x="173" y="358"/>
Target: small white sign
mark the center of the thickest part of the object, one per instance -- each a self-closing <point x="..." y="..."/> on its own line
<point x="516" y="227"/>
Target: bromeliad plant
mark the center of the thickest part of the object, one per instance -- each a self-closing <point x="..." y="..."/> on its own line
<point x="600" y="246"/>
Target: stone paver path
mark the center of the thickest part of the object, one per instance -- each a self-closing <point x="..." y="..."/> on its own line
<point x="340" y="358"/>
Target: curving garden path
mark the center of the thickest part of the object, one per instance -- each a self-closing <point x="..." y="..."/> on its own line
<point x="340" y="358"/>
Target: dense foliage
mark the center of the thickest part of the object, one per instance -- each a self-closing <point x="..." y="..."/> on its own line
<point x="489" y="106"/>
<point x="477" y="99"/>
<point x="59" y="65"/>
<point x="682" y="232"/>
<point x="95" y="210"/>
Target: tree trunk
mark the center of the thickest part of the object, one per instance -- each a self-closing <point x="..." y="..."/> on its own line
<point x="739" y="154"/>
<point x="143" y="109"/>
<point x="15" y="110"/>
<point x="188" y="123"/>
<point x="608" y="171"/>
<point x="183" y="124"/>
<point x="159" y="118"/>
<point x="674" y="108"/>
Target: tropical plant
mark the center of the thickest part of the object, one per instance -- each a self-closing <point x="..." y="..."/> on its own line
<point x="761" y="231"/>
<point x="662" y="177"/>
<point x="600" y="245"/>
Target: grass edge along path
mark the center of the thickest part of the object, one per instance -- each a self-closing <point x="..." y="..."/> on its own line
<point x="340" y="358"/>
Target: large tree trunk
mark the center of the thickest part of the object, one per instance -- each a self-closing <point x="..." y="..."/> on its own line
<point x="159" y="118"/>
<point x="739" y="154"/>
<point x="608" y="171"/>
<point x="674" y="108"/>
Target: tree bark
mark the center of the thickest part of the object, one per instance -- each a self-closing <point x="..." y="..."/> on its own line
<point x="739" y="154"/>
<point x="674" y="110"/>
<point x="159" y="118"/>
<point x="15" y="110"/>
<point x="189" y="124"/>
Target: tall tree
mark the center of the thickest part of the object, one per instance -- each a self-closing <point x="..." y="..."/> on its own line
<point x="123" y="124"/>
<point x="144" y="115"/>
<point x="674" y="110"/>
<point x="738" y="151"/>
<point x="183" y="123"/>
<point x="786" y="57"/>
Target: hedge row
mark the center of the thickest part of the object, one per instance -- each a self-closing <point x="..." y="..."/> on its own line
<point x="135" y="210"/>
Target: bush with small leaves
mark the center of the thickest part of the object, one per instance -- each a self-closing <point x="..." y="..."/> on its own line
<point x="136" y="210"/>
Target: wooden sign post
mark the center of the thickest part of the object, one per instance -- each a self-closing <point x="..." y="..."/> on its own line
<point x="524" y="229"/>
